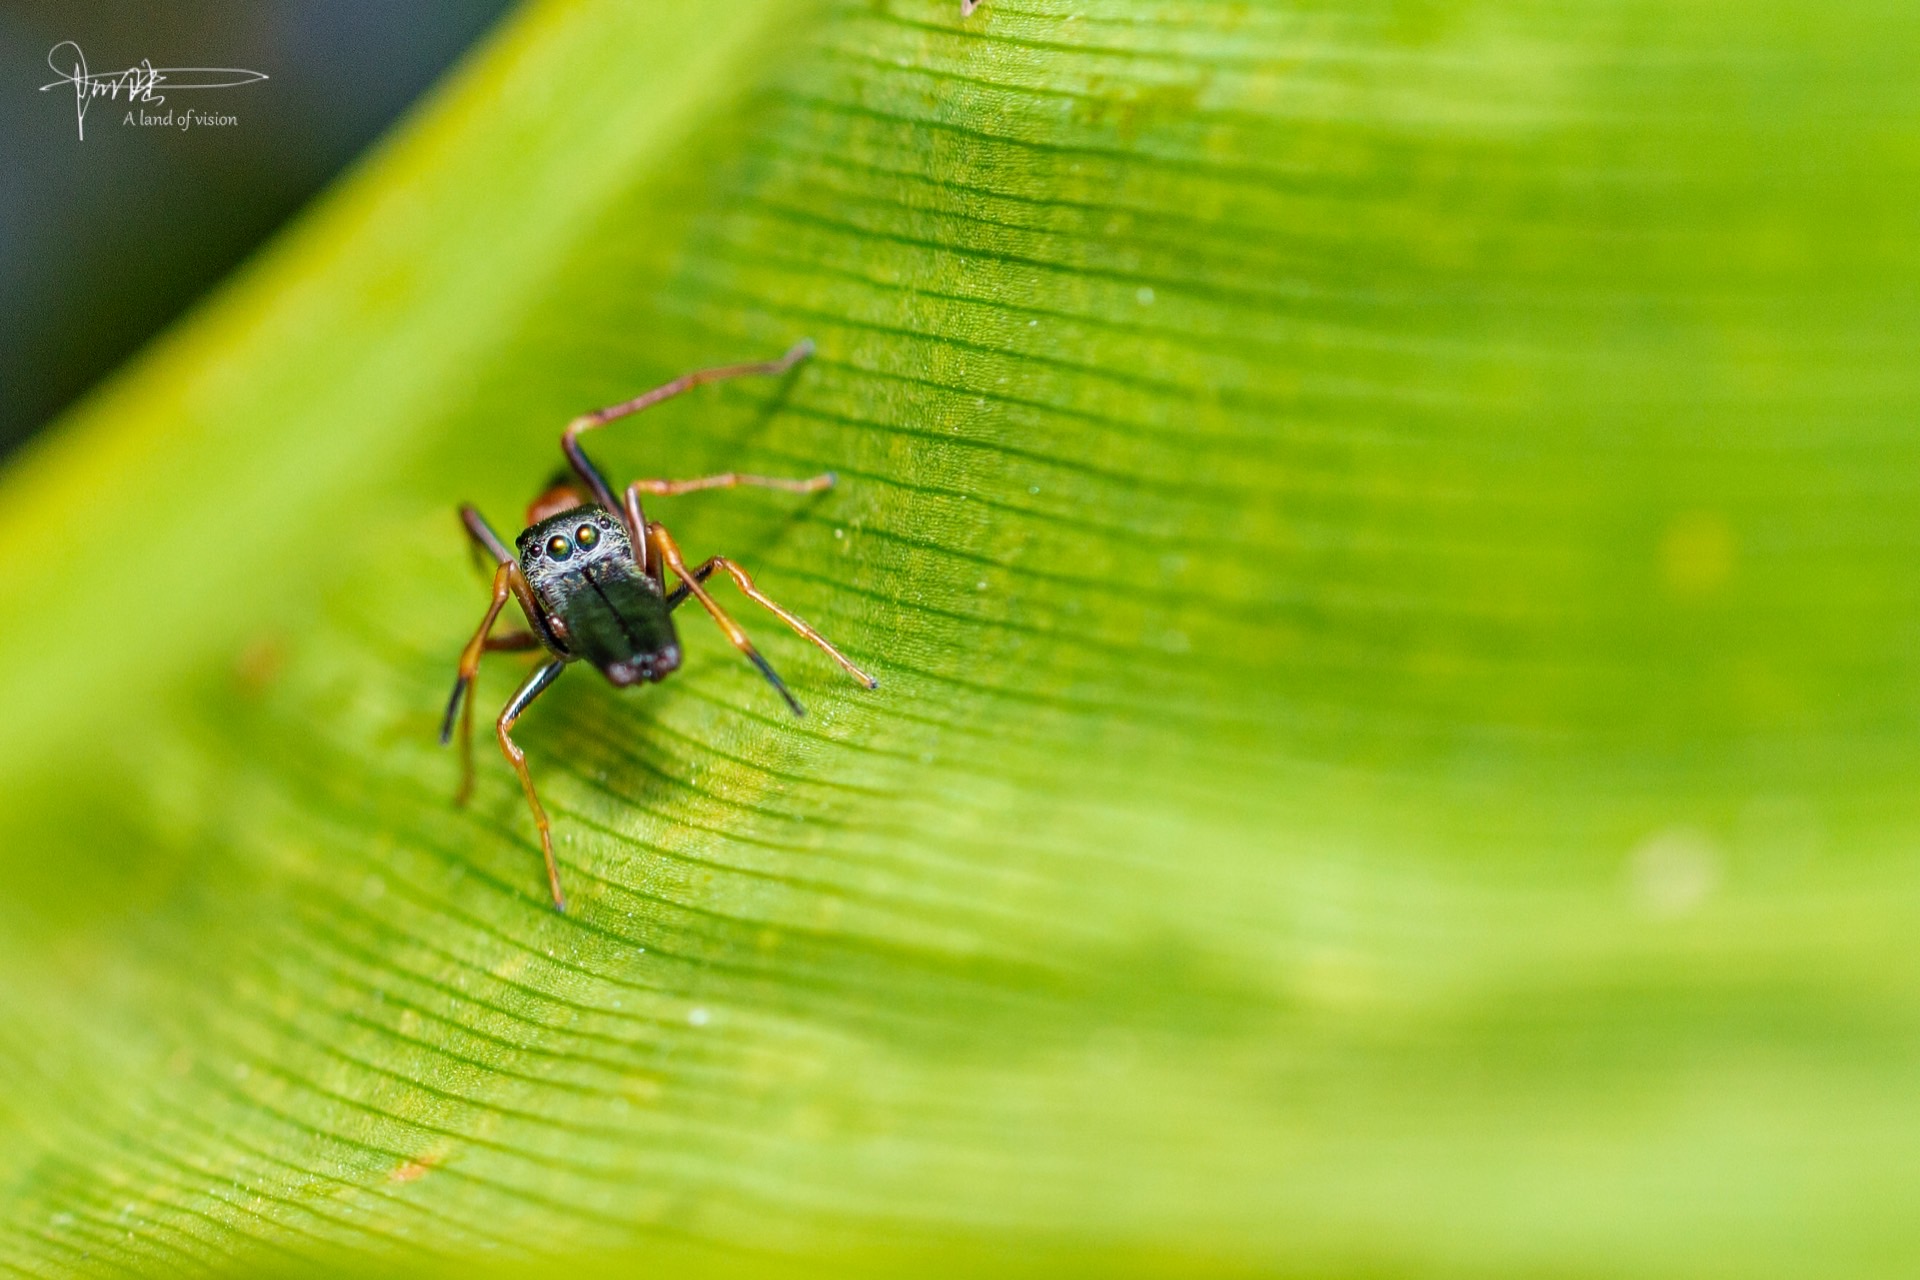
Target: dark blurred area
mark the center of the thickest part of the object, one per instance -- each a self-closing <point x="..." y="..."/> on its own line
<point x="103" y="242"/>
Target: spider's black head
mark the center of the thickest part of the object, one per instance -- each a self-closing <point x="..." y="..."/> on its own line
<point x="566" y="546"/>
<point x="580" y="564"/>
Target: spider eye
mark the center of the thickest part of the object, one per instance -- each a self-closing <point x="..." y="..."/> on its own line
<point x="558" y="548"/>
<point x="585" y="536"/>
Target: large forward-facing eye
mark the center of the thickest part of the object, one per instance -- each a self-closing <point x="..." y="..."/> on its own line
<point x="585" y="536"/>
<point x="558" y="548"/>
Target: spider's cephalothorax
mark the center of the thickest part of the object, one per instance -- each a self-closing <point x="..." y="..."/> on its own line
<point x="591" y="579"/>
<point x="581" y="566"/>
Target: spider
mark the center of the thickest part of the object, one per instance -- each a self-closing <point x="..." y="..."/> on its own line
<point x="590" y="576"/>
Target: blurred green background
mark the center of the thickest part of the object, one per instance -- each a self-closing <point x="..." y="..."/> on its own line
<point x="101" y="244"/>
<point x="1386" y="530"/>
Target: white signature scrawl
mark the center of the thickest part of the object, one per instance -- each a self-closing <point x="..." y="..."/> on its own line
<point x="140" y="83"/>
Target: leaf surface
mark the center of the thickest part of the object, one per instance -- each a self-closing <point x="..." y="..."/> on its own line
<point x="1386" y="531"/>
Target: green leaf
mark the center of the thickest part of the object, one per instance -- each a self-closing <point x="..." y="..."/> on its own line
<point x="1387" y="533"/>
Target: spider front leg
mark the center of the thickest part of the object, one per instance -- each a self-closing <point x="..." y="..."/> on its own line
<point x="590" y="474"/>
<point x="507" y="580"/>
<point x="535" y="685"/>
<point x="690" y="582"/>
